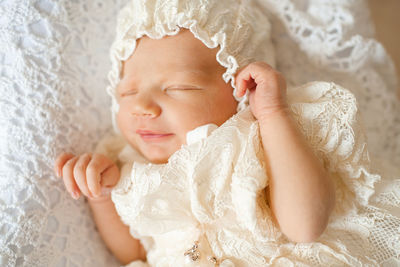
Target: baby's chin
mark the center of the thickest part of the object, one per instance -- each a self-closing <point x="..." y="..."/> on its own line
<point x="157" y="153"/>
<point x="157" y="157"/>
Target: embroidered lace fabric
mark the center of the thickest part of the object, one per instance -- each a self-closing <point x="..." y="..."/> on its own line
<point x="54" y="62"/>
<point x="212" y="190"/>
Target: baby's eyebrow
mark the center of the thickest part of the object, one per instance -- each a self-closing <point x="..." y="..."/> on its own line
<point x="194" y="71"/>
<point x="198" y="72"/>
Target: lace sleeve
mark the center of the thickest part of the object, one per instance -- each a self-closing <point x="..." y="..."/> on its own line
<point x="249" y="181"/>
<point x="327" y="115"/>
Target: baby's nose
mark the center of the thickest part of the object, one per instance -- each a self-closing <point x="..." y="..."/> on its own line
<point x="145" y="106"/>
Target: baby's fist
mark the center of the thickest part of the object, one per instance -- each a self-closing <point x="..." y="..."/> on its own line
<point x="266" y="86"/>
<point x="92" y="174"/>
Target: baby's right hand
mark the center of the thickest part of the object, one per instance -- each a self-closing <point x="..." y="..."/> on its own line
<point x="92" y="174"/>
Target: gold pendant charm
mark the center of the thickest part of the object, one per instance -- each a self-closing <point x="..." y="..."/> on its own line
<point x="213" y="260"/>
<point x="192" y="253"/>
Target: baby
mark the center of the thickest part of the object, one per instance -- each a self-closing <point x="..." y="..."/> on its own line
<point x="194" y="176"/>
<point x="186" y="91"/>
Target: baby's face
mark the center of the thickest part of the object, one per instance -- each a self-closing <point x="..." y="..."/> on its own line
<point x="169" y="87"/>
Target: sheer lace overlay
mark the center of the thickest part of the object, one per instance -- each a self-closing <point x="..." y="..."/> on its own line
<point x="213" y="190"/>
<point x="54" y="65"/>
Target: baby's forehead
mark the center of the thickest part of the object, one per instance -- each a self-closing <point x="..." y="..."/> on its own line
<point x="178" y="64"/>
<point x="182" y="48"/>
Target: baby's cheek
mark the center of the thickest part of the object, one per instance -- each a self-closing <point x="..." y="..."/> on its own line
<point x="123" y="120"/>
<point x="119" y="118"/>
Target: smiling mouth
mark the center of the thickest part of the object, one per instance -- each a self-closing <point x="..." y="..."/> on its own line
<point x="149" y="136"/>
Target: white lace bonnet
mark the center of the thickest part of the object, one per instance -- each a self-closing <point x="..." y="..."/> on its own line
<point x="241" y="30"/>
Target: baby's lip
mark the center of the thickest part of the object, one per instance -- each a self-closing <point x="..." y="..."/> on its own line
<point x="153" y="136"/>
<point x="148" y="132"/>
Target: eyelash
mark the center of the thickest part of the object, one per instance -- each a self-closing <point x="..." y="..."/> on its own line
<point x="172" y="88"/>
<point x="128" y="93"/>
<point x="181" y="89"/>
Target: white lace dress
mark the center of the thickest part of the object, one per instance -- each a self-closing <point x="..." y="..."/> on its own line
<point x="212" y="191"/>
<point x="54" y="59"/>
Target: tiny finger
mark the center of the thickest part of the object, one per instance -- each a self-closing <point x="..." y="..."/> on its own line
<point x="96" y="167"/>
<point x="80" y="174"/>
<point x="68" y="177"/>
<point x="244" y="81"/>
<point x="60" y="161"/>
<point x="110" y="176"/>
<point x="240" y="90"/>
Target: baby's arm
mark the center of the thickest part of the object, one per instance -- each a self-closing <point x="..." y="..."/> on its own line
<point x="94" y="176"/>
<point x="300" y="192"/>
<point x="115" y="233"/>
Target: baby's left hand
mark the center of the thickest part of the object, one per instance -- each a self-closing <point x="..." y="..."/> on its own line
<point x="267" y="89"/>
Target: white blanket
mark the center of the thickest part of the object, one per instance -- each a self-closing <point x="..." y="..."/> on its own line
<point x="53" y="65"/>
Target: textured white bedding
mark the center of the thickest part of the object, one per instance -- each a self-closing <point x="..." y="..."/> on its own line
<point x="53" y="65"/>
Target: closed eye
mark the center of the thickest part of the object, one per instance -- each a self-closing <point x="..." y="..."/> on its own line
<point x="185" y="88"/>
<point x="128" y="93"/>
